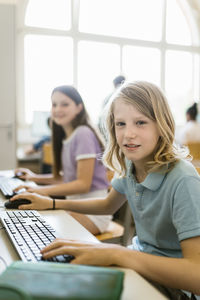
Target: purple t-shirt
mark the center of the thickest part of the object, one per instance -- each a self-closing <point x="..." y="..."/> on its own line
<point x="83" y="144"/>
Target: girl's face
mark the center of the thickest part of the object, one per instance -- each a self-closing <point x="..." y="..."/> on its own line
<point x="64" y="109"/>
<point x="137" y="135"/>
<point x="188" y="118"/>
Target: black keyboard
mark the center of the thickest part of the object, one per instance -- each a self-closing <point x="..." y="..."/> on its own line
<point x="8" y="184"/>
<point x="29" y="233"/>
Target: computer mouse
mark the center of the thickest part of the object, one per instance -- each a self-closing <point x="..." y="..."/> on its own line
<point x="14" y="204"/>
<point x="18" y="175"/>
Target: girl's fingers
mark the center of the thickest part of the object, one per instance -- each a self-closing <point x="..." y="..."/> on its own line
<point x="61" y="251"/>
<point x="89" y="254"/>
<point x="64" y="243"/>
<point x="56" y="244"/>
<point x="25" y="207"/>
<point x="20" y="187"/>
<point x="30" y="189"/>
<point x="38" y="202"/>
<point x="22" y="196"/>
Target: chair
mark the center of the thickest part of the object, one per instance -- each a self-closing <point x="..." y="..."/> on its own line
<point x="47" y="159"/>
<point x="109" y="175"/>
<point x="194" y="149"/>
<point x="198" y="169"/>
<point x="113" y="234"/>
<point x="115" y="230"/>
<point x="124" y="215"/>
<point x="47" y="155"/>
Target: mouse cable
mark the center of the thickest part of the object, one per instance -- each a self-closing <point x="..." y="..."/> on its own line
<point x="1" y="258"/>
<point x="1" y="226"/>
<point x="4" y="262"/>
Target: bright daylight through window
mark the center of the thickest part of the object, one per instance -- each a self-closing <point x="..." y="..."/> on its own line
<point x="89" y="42"/>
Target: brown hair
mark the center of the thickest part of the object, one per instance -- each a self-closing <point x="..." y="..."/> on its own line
<point x="58" y="134"/>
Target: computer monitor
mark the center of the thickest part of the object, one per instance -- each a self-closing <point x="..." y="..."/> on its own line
<point x="39" y="127"/>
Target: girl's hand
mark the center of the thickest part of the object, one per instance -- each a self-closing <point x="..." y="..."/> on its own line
<point x="24" y="174"/>
<point x="98" y="254"/>
<point x="26" y="187"/>
<point x="38" y="202"/>
<point x="30" y="189"/>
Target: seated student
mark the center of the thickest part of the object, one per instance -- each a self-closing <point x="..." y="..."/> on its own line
<point x="161" y="186"/>
<point x="77" y="151"/>
<point x="117" y="81"/>
<point x="38" y="146"/>
<point x="191" y="131"/>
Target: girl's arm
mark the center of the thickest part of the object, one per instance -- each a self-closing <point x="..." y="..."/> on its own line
<point x="37" y="178"/>
<point x="85" y="170"/>
<point x="180" y="273"/>
<point x="108" y="205"/>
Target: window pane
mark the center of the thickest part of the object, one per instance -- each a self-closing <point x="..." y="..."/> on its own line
<point x="55" y="14"/>
<point x="48" y="63"/>
<point x="98" y="64"/>
<point x="141" y="64"/>
<point x="177" y="29"/>
<point x="179" y="85"/>
<point x="197" y="77"/>
<point x="123" y="18"/>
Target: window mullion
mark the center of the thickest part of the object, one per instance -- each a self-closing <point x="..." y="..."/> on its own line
<point x="75" y="35"/>
<point x="75" y="14"/>
<point x="163" y="45"/>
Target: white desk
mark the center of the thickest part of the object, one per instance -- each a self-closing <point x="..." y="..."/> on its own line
<point x="21" y="156"/>
<point x="135" y="287"/>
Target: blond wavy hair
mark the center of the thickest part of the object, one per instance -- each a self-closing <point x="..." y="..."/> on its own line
<point x="151" y="102"/>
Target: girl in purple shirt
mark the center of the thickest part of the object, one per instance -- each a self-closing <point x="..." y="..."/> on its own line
<point x="77" y="171"/>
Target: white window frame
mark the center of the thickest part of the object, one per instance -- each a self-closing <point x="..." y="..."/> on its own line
<point x="77" y="36"/>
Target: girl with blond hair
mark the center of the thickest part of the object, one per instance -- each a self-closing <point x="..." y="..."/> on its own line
<point x="161" y="186"/>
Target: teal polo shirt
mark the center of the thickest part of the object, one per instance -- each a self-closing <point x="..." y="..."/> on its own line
<point x="165" y="208"/>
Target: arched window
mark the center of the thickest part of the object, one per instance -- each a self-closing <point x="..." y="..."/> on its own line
<point x="89" y="42"/>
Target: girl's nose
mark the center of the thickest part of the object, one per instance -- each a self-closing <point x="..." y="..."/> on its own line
<point x="130" y="132"/>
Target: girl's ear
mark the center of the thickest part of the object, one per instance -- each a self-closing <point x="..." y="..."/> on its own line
<point x="80" y="107"/>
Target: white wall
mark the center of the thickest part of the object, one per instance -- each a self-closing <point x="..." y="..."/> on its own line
<point x="7" y="87"/>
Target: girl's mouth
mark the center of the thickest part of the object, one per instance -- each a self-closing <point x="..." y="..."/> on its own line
<point x="131" y="146"/>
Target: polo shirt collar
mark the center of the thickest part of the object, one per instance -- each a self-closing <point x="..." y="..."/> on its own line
<point x="153" y="180"/>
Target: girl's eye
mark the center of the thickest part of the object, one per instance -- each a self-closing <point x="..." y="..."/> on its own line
<point x="63" y="104"/>
<point x="119" y="124"/>
<point x="140" y="123"/>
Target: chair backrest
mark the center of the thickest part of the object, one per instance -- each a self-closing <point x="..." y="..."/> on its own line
<point x="198" y="170"/>
<point x="47" y="155"/>
<point x="194" y="149"/>
<point x="114" y="232"/>
<point x="117" y="232"/>
<point x="109" y="175"/>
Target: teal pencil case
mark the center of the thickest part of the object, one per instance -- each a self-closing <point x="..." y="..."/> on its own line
<point x="56" y="281"/>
